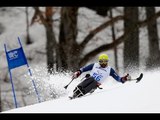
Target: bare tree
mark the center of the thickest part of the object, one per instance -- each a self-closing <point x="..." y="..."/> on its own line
<point x="28" y="40"/>
<point x="131" y="45"/>
<point x="118" y="41"/>
<point x="101" y="10"/>
<point x="114" y="38"/>
<point x="103" y="47"/>
<point x="68" y="47"/>
<point x="154" y="54"/>
<point x="46" y="20"/>
<point x="68" y="52"/>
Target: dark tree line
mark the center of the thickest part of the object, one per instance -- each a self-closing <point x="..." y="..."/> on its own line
<point x="131" y="45"/>
<point x="154" y="51"/>
<point x="67" y="53"/>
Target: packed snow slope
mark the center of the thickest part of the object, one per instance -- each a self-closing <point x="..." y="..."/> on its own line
<point x="130" y="97"/>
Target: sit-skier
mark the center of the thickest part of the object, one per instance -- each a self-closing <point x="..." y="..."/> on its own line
<point x="99" y="72"/>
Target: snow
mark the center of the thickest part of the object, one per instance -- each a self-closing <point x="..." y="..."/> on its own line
<point x="130" y="97"/>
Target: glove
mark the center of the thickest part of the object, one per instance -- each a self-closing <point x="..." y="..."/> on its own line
<point x="125" y="78"/>
<point x="76" y="74"/>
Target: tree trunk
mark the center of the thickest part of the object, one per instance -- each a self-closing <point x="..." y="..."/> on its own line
<point x="51" y="44"/>
<point x="28" y="41"/>
<point x="114" y="38"/>
<point x="50" y="48"/>
<point x="101" y="10"/>
<point x="51" y="40"/>
<point x="131" y="45"/>
<point x="68" y="47"/>
<point x="154" y="55"/>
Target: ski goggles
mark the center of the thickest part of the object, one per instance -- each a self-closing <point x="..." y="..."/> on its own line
<point x="103" y="61"/>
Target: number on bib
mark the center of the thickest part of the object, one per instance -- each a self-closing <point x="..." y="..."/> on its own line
<point x="97" y="77"/>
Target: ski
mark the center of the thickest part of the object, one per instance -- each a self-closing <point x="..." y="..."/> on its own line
<point x="139" y="78"/>
<point x="71" y="97"/>
<point x="90" y="93"/>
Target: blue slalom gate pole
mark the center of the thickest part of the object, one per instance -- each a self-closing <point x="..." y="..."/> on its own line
<point x="14" y="94"/>
<point x="34" y="84"/>
<point x="13" y="91"/>
<point x="31" y="75"/>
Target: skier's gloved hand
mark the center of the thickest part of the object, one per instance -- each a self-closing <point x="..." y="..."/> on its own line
<point x="125" y="78"/>
<point x="76" y="74"/>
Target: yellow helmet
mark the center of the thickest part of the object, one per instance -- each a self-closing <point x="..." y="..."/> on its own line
<point x="103" y="57"/>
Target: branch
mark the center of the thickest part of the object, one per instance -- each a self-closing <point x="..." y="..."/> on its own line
<point x="149" y="20"/>
<point x="98" y="29"/>
<point x="105" y="47"/>
<point x="41" y="52"/>
<point x="102" y="48"/>
<point x="38" y="13"/>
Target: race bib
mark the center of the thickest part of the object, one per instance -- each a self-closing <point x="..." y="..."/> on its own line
<point x="97" y="77"/>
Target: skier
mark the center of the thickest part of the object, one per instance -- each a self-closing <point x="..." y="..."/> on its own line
<point x="99" y="72"/>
